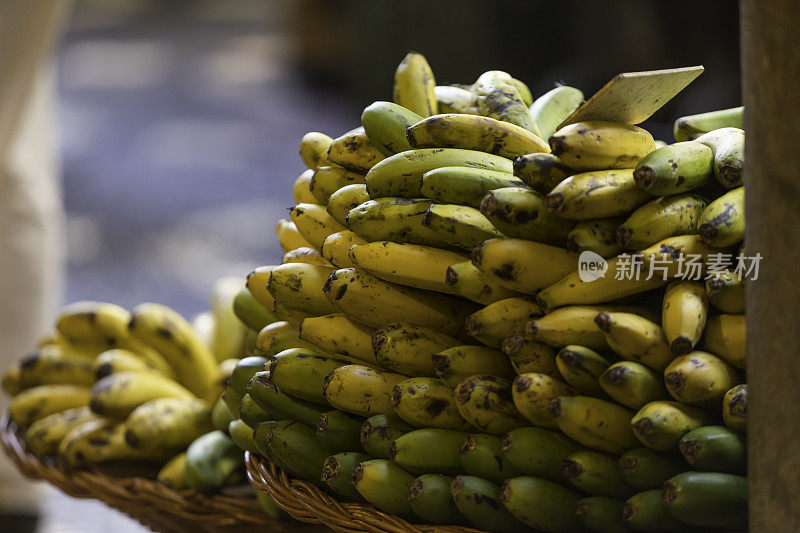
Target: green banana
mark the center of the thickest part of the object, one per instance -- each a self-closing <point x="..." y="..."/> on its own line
<point x="428" y="451"/>
<point x="538" y="452"/>
<point x="598" y="194"/>
<point x="596" y="474"/>
<point x="502" y="319"/>
<point x="329" y="179"/>
<point x="478" y="500"/>
<point x="726" y="336"/>
<point x="301" y="373"/>
<point x="293" y="445"/>
<point x="242" y="435"/>
<point x="168" y="423"/>
<point x="313" y="147"/>
<point x="599" y="145"/>
<point x="385" y="485"/>
<point x="728" y="147"/>
<point x="532" y="393"/>
<point x="336" y="247"/>
<point x="485" y="402"/>
<point x="339" y="432"/>
<point x="469" y="282"/>
<point x="43" y="436"/>
<point x="734" y="408"/>
<point x="299" y="286"/>
<point x="692" y="126"/>
<point x="699" y="378"/>
<point x="379" y="432"/>
<point x="252" y="413"/>
<point x="596" y="236"/>
<point x="595" y="423"/>
<point x="459" y="226"/>
<point x="453" y="99"/>
<point x="400" y="174"/>
<point x="581" y="368"/>
<point x="414" y="85"/>
<point x="426" y="402"/>
<point x="245" y="369"/>
<point x="460" y="362"/>
<point x="722" y="223"/>
<point x="361" y="390"/>
<point x="658" y="219"/>
<point x="221" y="416"/>
<point x="343" y="200"/>
<point x="481" y="455"/>
<point x="271" y="400"/>
<point x="337" y="473"/>
<point x="541" y="171"/>
<point x="431" y="500"/>
<point x="542" y="504"/>
<point x="632" y="384"/>
<point x="601" y="515"/>
<point x="645" y="469"/>
<point x="645" y="511"/>
<point x="338" y="334"/>
<point x="725" y="291"/>
<point x="683" y="315"/>
<point x="394" y="219"/>
<point x="464" y="185"/>
<point x="385" y="124"/>
<point x="553" y="107"/>
<point x="660" y="425"/>
<point x="530" y="356"/>
<point x="117" y="395"/>
<point x="521" y="212"/>
<point x="676" y="168"/>
<point x="714" y="449"/>
<point x="635" y="338"/>
<point x="497" y="95"/>
<point x="708" y="499"/>
<point x="354" y="151"/>
<point x="251" y="312"/>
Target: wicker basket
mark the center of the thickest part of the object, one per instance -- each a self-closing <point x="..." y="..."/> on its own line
<point x="307" y="503"/>
<point x="145" y="500"/>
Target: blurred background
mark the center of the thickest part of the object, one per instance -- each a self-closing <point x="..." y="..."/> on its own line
<point x="180" y="120"/>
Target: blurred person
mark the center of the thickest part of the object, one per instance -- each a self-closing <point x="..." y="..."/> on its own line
<point x="31" y="211"/>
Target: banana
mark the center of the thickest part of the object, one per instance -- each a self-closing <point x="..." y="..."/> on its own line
<point x="542" y="171"/>
<point x="385" y="124"/>
<point x="329" y="179"/>
<point x="532" y="393"/>
<point x="339" y="432"/>
<point x="313" y="147"/>
<point x="271" y="400"/>
<point x="455" y="364"/>
<point x="728" y="147"/>
<point x="394" y="219"/>
<point x="542" y="504"/>
<point x="523" y="90"/>
<point x="430" y="499"/>
<point x="253" y="313"/>
<point x="453" y="99"/>
<point x="272" y="333"/>
<point x="553" y="107"/>
<point x="725" y="291"/>
<point x="498" y="96"/>
<point x="361" y="390"/>
<point x="43" y="436"/>
<point x="581" y="368"/>
<point x="596" y="474"/>
<point x="338" y="334"/>
<point x="385" y="485"/>
<point x="412" y="265"/>
<point x="599" y="145"/>
<point x="294" y="445"/>
<point x="428" y="451"/>
<point x="473" y="132"/>
<point x="645" y="511"/>
<point x="240" y="376"/>
<point x="101" y="441"/>
<point x="598" y="194"/>
<point x="485" y="402"/>
<point x="298" y="286"/>
<point x="93" y="322"/>
<point x="305" y="254"/>
<point x="336" y="248"/>
<point x="467" y="281"/>
<point x="288" y="236"/>
<point x="11" y="379"/>
<point x="459" y="226"/>
<point x="427" y="403"/>
<point x="301" y="373"/>
<point x="595" y="423"/>
<point x="658" y="219"/>
<point x="414" y="85"/>
<point x="596" y="236"/>
<point x="692" y="126"/>
<point x="354" y="151"/>
<point x="635" y="338"/>
<point x="166" y="331"/>
<point x="301" y="190"/>
<point x="363" y="297"/>
<point x="568" y="325"/>
<point x="601" y="514"/>
<point x="645" y="469"/>
<point x="256" y="283"/>
<point x="660" y="425"/>
<point x="479" y="501"/>
<point x="38" y="402"/>
<point x="344" y="199"/>
<point x="481" y="455"/>
<point x="502" y="319"/>
<point x="242" y="435"/>
<point x="314" y="224"/>
<point x="337" y="473"/>
<point x="379" y="432"/>
<point x="538" y="452"/>
<point x="699" y="378"/>
<point x="213" y="461"/>
<point x="722" y="223"/>
<point x="726" y="336"/>
<point x="684" y="314"/>
<point x="400" y="174"/>
<point x="464" y="185"/>
<point x="117" y="395"/>
<point x="221" y="416"/>
<point x="51" y="365"/>
<point x="522" y="265"/>
<point x="714" y="449"/>
<point x="521" y="212"/>
<point x="173" y="474"/>
<point x="734" y="408"/>
<point x="632" y="384"/>
<point x="167" y="423"/>
<point x="708" y="499"/>
<point x="676" y="168"/>
<point x="252" y="414"/>
<point x="408" y="349"/>
<point x="227" y="337"/>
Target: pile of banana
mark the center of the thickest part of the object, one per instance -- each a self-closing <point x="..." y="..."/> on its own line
<point x="435" y="347"/>
<point x="136" y="392"/>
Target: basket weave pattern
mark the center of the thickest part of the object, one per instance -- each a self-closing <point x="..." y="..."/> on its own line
<point x="308" y="503"/>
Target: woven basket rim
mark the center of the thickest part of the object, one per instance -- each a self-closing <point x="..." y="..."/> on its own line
<point x="308" y="503"/>
<point x="138" y="497"/>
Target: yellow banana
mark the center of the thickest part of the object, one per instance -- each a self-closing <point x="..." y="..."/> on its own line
<point x="314" y="223"/>
<point x="409" y="349"/>
<point x="203" y="326"/>
<point x="595" y="236"/>
<point x="394" y="219"/>
<point x="502" y="319"/>
<point x="167" y="423"/>
<point x="530" y="356"/>
<point x="343" y="200"/>
<point x="301" y="190"/>
<point x="103" y="440"/>
<point x="568" y="325"/>
<point x="338" y="334"/>
<point x="452" y="99"/>
<point x="256" y="283"/>
<point x="726" y="291"/>
<point x="502" y="97"/>
<point x="173" y="474"/>
<point x="699" y="378"/>
<point x="293" y="316"/>
<point x="288" y="236"/>
<point x="354" y="151"/>
<point x="596" y="423"/>
<point x="119" y="360"/>
<point x="734" y="408"/>
<point x="38" y="402"/>
<point x="306" y="254"/>
<point x="336" y="248"/>
<point x="93" y="322"/>
<point x="726" y="336"/>
<point x="532" y="393"/>
<point x="299" y="286"/>
<point x="414" y="85"/>
<point x="466" y="280"/>
<point x="541" y="171"/>
<point x="313" y="147"/>
<point x="683" y="315"/>
<point x="661" y="424"/>
<point x="459" y="226"/>
<point x="361" y="390"/>
<point x="599" y="145"/>
<point x="44" y="435"/>
<point x="635" y="338"/>
<point x="598" y="194"/>
<point x="327" y="180"/>
<point x="11" y="379"/>
<point x="227" y="337"/>
<point x="116" y="395"/>
<point x="50" y="365"/>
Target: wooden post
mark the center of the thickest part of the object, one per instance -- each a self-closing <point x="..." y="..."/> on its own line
<point x="771" y="87"/>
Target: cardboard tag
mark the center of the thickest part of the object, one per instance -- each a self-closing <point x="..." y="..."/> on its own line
<point x="633" y="97"/>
